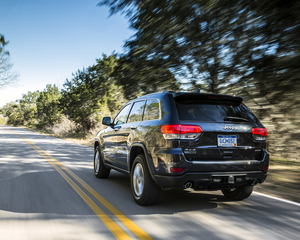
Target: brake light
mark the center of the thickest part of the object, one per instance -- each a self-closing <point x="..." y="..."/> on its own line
<point x="190" y="129"/>
<point x="259" y="133"/>
<point x="178" y="131"/>
<point x="170" y="129"/>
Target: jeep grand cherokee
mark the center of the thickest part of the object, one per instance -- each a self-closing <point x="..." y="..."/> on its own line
<point x="191" y="140"/>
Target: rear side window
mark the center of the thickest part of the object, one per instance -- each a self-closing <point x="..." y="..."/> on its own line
<point x="122" y="116"/>
<point x="136" y="113"/>
<point x="217" y="112"/>
<point x="151" y="110"/>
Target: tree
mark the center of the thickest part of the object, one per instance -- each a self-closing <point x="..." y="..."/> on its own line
<point x="47" y="104"/>
<point x="142" y="76"/>
<point x="187" y="36"/>
<point x="28" y="104"/>
<point x="22" y="111"/>
<point x="14" y="112"/>
<point x="92" y="93"/>
<point x="219" y="43"/>
<point x="272" y="49"/>
<point x="6" y="75"/>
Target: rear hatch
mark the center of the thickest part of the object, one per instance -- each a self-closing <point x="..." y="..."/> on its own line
<point x="228" y="128"/>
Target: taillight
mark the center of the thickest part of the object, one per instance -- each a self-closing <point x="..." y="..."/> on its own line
<point x="259" y="133"/>
<point x="178" y="131"/>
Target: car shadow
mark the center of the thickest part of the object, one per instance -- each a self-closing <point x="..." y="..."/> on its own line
<point x="170" y="201"/>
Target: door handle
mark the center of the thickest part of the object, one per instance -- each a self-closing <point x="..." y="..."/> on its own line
<point x="133" y="127"/>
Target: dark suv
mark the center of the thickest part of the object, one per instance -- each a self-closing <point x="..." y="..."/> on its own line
<point x="190" y="140"/>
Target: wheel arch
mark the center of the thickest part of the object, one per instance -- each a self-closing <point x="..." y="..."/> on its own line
<point x="140" y="148"/>
<point x="97" y="143"/>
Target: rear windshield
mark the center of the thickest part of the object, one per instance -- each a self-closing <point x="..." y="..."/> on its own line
<point x="215" y="112"/>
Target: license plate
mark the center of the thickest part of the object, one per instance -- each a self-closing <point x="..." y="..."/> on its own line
<point x="227" y="141"/>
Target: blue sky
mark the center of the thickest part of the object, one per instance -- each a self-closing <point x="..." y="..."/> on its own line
<point x="51" y="39"/>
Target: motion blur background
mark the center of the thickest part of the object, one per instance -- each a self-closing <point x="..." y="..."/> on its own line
<point x="246" y="48"/>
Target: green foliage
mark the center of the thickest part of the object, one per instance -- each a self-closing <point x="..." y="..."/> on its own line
<point x="23" y="111"/>
<point x="47" y="106"/>
<point x="14" y="113"/>
<point x="274" y="47"/>
<point x="2" y="120"/>
<point x="92" y="93"/>
<point x="187" y="36"/>
<point x="40" y="109"/>
<point x="35" y="108"/>
<point x="218" y="43"/>
<point x="28" y="105"/>
<point x="141" y="76"/>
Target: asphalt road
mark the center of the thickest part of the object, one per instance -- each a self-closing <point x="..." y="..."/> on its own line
<point x="48" y="191"/>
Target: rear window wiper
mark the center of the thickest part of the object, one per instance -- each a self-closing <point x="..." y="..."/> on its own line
<point x="236" y="119"/>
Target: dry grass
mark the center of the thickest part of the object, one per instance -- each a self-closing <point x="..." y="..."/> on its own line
<point x="66" y="128"/>
<point x="87" y="141"/>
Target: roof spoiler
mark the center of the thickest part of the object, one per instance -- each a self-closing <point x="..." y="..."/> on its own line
<point x="206" y="97"/>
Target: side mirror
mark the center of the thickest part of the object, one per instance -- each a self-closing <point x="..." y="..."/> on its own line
<point x="106" y="121"/>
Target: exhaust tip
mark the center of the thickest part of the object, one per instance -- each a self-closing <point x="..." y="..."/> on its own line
<point x="188" y="185"/>
<point x="255" y="182"/>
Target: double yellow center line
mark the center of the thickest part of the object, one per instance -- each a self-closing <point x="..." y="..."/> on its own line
<point x="116" y="230"/>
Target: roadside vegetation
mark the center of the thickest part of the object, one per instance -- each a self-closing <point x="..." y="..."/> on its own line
<point x="249" y="49"/>
<point x="77" y="109"/>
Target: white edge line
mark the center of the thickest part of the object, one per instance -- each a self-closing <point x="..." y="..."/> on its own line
<point x="277" y="198"/>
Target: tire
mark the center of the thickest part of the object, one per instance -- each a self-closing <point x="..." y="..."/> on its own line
<point x="144" y="190"/>
<point x="99" y="168"/>
<point x="238" y="193"/>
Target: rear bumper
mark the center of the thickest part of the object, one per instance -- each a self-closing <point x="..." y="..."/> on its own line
<point x="207" y="180"/>
<point x="203" y="174"/>
<point x="216" y="174"/>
